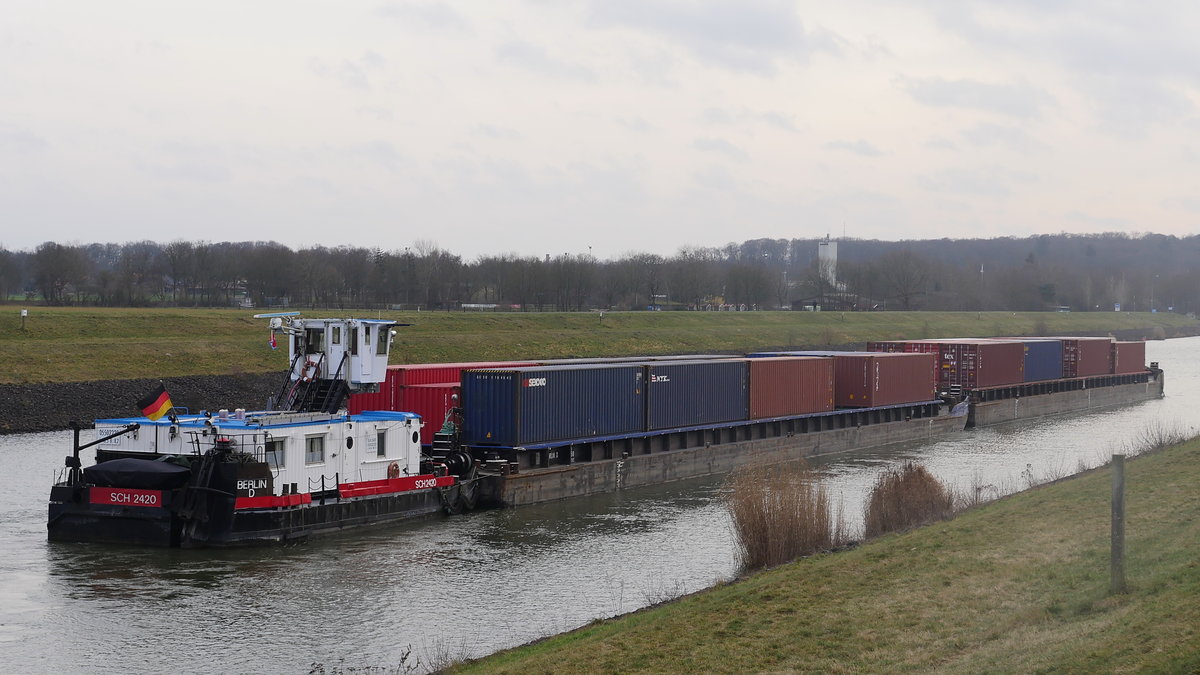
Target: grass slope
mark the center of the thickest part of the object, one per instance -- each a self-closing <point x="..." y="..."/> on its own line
<point x="81" y="344"/>
<point x="1019" y="585"/>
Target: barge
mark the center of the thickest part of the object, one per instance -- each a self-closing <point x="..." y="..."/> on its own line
<point x="338" y="450"/>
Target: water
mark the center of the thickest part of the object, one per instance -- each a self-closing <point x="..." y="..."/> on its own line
<point x="452" y="587"/>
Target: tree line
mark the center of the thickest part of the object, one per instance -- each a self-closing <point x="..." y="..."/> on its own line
<point x="1079" y="272"/>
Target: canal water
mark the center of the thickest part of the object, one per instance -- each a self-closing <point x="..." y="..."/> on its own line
<point x="448" y="588"/>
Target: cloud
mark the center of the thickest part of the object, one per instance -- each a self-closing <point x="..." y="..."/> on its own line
<point x="989" y="135"/>
<point x="747" y="36"/>
<point x="1100" y="223"/>
<point x="859" y="147"/>
<point x="20" y="141"/>
<point x="434" y="15"/>
<point x="719" y="145"/>
<point x="495" y="132"/>
<point x="350" y="74"/>
<point x="940" y="143"/>
<point x="535" y="59"/>
<point x="984" y="181"/>
<point x="1020" y="100"/>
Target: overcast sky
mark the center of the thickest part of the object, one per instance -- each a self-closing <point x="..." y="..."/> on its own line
<point x="611" y="125"/>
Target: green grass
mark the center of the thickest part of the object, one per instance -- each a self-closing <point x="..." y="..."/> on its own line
<point x="1020" y="585"/>
<point x="80" y="344"/>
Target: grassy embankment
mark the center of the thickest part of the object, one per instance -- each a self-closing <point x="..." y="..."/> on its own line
<point x="80" y="344"/>
<point x="1018" y="585"/>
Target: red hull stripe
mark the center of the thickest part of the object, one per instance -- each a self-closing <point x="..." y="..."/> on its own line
<point x="125" y="497"/>
<point x="389" y="485"/>
<point x="271" y="502"/>
<point x="364" y="488"/>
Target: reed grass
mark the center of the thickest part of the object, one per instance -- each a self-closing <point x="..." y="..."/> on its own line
<point x="906" y="497"/>
<point x="779" y="513"/>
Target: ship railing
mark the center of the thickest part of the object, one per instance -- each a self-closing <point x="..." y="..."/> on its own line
<point x="323" y="487"/>
<point x="250" y="444"/>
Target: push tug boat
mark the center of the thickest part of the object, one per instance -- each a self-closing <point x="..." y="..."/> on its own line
<point x="239" y="478"/>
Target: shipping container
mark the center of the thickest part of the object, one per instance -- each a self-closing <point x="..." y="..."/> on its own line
<point x="431" y="402"/>
<point x="1086" y="356"/>
<point x="879" y="379"/>
<point x="692" y="393"/>
<point x="784" y="386"/>
<point x="388" y="397"/>
<point x="1043" y="359"/>
<point x="536" y="404"/>
<point x="380" y="400"/>
<point x="889" y="346"/>
<point x="807" y="352"/>
<point x="434" y="373"/>
<point x="1128" y="357"/>
<point x="584" y="360"/>
<point x="973" y="363"/>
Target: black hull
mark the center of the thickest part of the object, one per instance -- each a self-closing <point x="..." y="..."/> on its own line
<point x="73" y="519"/>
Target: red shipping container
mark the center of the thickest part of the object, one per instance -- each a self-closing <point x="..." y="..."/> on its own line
<point x="430" y="401"/>
<point x="380" y="400"/>
<point x="398" y="376"/>
<point x="889" y="346"/>
<point x="1128" y="357"/>
<point x="1086" y="356"/>
<point x="971" y="363"/>
<point x="795" y="385"/>
<point x="867" y="380"/>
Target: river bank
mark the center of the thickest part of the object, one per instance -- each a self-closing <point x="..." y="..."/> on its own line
<point x="47" y="406"/>
<point x="71" y="344"/>
<point x="1017" y="585"/>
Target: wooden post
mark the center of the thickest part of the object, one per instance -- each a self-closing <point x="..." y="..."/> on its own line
<point x="1117" y="584"/>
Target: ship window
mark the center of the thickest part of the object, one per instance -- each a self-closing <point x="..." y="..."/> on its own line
<point x="366" y="335"/>
<point x="336" y="335"/>
<point x="381" y="444"/>
<point x="314" y="449"/>
<point x="312" y="340"/>
<point x="381" y="343"/>
<point x="274" y="453"/>
<point x="354" y="341"/>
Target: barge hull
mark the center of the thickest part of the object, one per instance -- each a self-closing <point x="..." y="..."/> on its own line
<point x="635" y="470"/>
<point x="702" y="456"/>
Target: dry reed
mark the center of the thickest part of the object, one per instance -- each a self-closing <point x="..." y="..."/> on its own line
<point x="780" y="512"/>
<point x="906" y="497"/>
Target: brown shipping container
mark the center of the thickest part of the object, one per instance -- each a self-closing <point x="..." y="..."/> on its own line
<point x="790" y="385"/>
<point x="1128" y="357"/>
<point x="1086" y="356"/>
<point x="867" y="380"/>
<point x="972" y="363"/>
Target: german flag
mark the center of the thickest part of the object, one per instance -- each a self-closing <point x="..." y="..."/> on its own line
<point x="157" y="404"/>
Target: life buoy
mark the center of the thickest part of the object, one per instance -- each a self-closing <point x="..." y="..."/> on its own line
<point x="393" y="470"/>
<point x="305" y="375"/>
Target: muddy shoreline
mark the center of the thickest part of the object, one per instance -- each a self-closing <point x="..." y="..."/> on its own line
<point x="28" y="408"/>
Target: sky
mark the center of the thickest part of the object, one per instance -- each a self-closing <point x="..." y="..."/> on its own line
<point x="594" y="126"/>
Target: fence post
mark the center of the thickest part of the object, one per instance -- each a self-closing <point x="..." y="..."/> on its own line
<point x="1117" y="583"/>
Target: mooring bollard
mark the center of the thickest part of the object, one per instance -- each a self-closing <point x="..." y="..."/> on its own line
<point x="1117" y="568"/>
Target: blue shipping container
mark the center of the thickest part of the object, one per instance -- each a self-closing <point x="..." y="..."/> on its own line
<point x="536" y="404"/>
<point x="1043" y="360"/>
<point x="693" y="393"/>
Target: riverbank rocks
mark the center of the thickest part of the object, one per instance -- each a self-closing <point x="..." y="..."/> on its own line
<point x="27" y="408"/>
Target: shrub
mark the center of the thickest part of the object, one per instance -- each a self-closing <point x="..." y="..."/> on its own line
<point x="780" y="513"/>
<point x="906" y="497"/>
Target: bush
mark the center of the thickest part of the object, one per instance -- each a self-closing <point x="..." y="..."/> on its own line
<point x="780" y="513"/>
<point x="904" y="498"/>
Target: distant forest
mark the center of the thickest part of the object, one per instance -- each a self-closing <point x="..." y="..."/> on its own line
<point x="1047" y="272"/>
